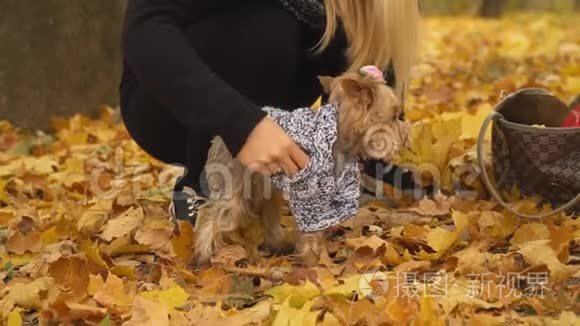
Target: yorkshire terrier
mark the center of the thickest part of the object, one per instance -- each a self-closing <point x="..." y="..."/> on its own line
<point x="244" y="208"/>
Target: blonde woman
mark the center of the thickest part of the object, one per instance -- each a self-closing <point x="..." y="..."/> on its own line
<point x="194" y="69"/>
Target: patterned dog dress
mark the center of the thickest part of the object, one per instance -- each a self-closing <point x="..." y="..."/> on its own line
<point x="326" y="192"/>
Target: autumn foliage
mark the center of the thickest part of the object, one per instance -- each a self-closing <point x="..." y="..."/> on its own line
<point x="85" y="235"/>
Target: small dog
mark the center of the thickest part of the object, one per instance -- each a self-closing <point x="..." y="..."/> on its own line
<point x="245" y="209"/>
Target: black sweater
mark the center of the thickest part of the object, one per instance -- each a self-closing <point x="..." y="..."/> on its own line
<point x="159" y="58"/>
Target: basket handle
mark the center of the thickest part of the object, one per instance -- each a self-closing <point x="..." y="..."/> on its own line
<point x="494" y="192"/>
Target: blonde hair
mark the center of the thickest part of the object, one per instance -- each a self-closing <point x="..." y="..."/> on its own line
<point x="378" y="32"/>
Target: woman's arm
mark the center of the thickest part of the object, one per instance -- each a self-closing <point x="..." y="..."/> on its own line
<point x="165" y="64"/>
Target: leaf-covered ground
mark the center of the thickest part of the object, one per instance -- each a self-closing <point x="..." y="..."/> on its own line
<point x="86" y="239"/>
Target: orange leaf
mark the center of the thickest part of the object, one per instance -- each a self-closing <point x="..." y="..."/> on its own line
<point x="20" y="243"/>
<point x="183" y="244"/>
<point x="71" y="275"/>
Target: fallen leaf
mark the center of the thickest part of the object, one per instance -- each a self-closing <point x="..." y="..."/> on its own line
<point x="148" y="312"/>
<point x="497" y="225"/>
<point x="95" y="217"/>
<point x="560" y="239"/>
<point x="530" y="232"/>
<point x="14" y="318"/>
<point x="364" y="245"/>
<point x="413" y="266"/>
<point x="429" y="313"/>
<point x="208" y="315"/>
<point x="429" y="207"/>
<point x="442" y="239"/>
<point x="299" y="294"/>
<point x="91" y="251"/>
<point x="183" y="244"/>
<point x="540" y="252"/>
<point x="85" y="312"/>
<point x="122" y="225"/>
<point x="111" y="294"/>
<point x="25" y="295"/>
<point x="71" y="275"/>
<point x="50" y="236"/>
<point x="20" y="243"/>
<point x="228" y="256"/>
<point x="288" y="315"/>
<point x="348" y="287"/>
<point x="463" y="292"/>
<point x="17" y="260"/>
<point x="173" y="297"/>
<point x="475" y="259"/>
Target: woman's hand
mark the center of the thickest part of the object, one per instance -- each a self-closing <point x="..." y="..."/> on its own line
<point x="269" y="149"/>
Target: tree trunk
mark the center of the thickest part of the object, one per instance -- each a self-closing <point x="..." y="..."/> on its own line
<point x="57" y="57"/>
<point x="491" y="8"/>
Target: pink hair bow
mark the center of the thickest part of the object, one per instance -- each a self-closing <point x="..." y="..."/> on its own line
<point x="372" y="71"/>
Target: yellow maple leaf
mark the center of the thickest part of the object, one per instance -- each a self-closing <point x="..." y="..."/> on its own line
<point x="172" y="297"/>
<point x="3" y="196"/>
<point x="110" y="293"/>
<point x="300" y="294"/>
<point x="540" y="252"/>
<point x="14" y="318"/>
<point x="287" y="315"/>
<point x="441" y="239"/>
<point x="351" y="285"/>
<point x="497" y="225"/>
<point x="530" y="232"/>
<point x="49" y="236"/>
<point x="91" y="250"/>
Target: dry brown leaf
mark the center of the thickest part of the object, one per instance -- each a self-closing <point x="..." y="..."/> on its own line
<point x="215" y="316"/>
<point x="183" y="244"/>
<point x="148" y="312"/>
<point x="111" y="294"/>
<point x="87" y="312"/>
<point x="123" y="225"/>
<point x="540" y="252"/>
<point x="25" y="295"/>
<point x="560" y="239"/>
<point x="460" y="292"/>
<point x="71" y="275"/>
<point x="367" y="246"/>
<point x="412" y="266"/>
<point x="95" y="216"/>
<point x="19" y="243"/>
<point x="496" y="225"/>
<point x="91" y="251"/>
<point x="475" y="259"/>
<point x="439" y="207"/>
<point x="530" y="232"/>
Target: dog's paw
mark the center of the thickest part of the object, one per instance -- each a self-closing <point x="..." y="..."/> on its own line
<point x="278" y="249"/>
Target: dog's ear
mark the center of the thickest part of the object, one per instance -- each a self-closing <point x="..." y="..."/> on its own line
<point x="355" y="89"/>
<point x="326" y="83"/>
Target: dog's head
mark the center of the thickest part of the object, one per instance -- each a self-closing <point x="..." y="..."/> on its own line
<point x="369" y="124"/>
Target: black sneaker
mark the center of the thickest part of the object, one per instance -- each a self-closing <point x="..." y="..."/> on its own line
<point x="185" y="205"/>
<point x="377" y="173"/>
